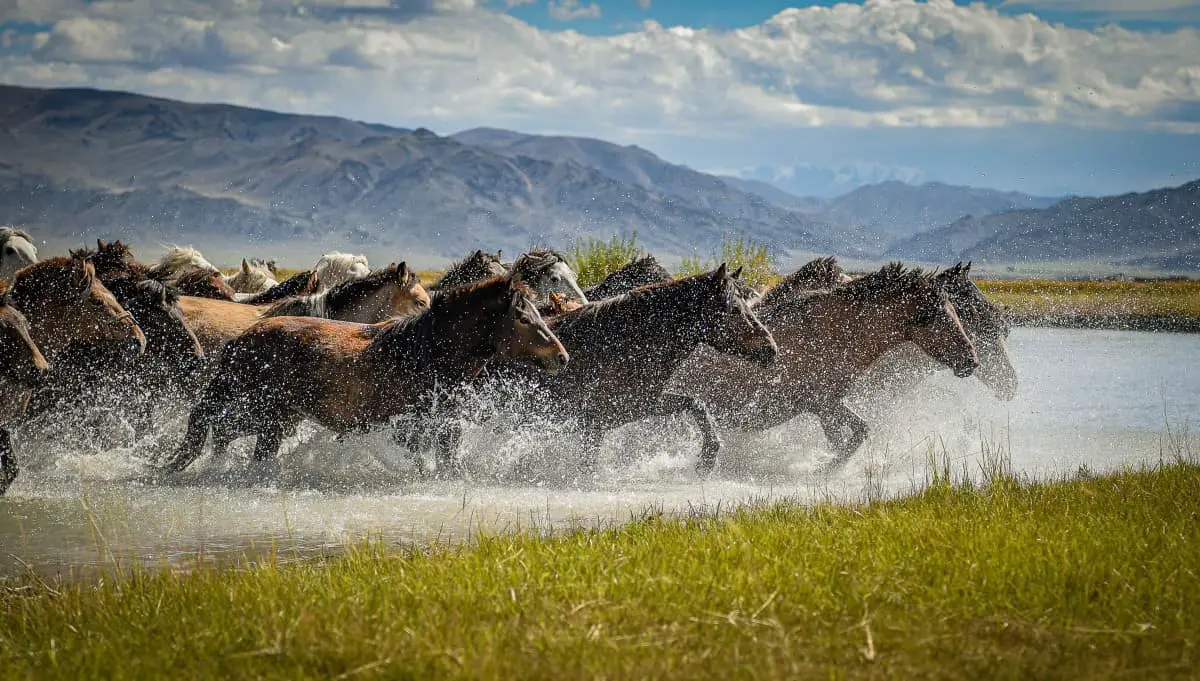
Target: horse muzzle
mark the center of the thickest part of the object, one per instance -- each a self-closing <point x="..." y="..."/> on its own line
<point x="554" y="363"/>
<point x="765" y="355"/>
<point x="965" y="369"/>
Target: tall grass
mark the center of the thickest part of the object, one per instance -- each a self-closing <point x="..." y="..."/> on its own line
<point x="593" y="259"/>
<point x="1089" y="578"/>
<point x="1040" y="296"/>
<point x="759" y="263"/>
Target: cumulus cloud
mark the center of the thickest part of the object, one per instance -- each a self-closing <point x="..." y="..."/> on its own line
<point x="570" y="10"/>
<point x="457" y="63"/>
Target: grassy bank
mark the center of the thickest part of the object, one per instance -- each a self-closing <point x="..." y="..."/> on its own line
<point x="1152" y="305"/>
<point x="1091" y="578"/>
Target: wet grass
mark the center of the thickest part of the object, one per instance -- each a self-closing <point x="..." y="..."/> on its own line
<point x="1095" y="577"/>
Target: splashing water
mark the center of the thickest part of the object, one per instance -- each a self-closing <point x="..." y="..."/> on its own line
<point x="1090" y="399"/>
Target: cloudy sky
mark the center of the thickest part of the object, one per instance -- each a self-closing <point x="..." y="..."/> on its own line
<point x="1043" y="96"/>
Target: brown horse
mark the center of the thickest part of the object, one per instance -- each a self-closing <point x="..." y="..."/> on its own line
<point x="299" y="284"/>
<point x="204" y="284"/>
<point x="827" y="339"/>
<point x="479" y="266"/>
<point x="66" y="303"/>
<point x="627" y="348"/>
<point x="349" y="377"/>
<point x="392" y="291"/>
<point x="22" y="369"/>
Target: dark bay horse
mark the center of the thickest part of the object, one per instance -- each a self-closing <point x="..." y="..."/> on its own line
<point x="389" y="292"/>
<point x="478" y="266"/>
<point x="641" y="271"/>
<point x="22" y="369"/>
<point x="349" y="377"/>
<point x="625" y="350"/>
<point x="827" y="339"/>
<point x="299" y="284"/>
<point x="986" y="325"/>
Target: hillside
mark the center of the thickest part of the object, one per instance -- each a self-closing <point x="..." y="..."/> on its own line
<point x="84" y="162"/>
<point x="1159" y="228"/>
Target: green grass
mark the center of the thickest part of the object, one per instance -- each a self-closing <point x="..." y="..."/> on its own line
<point x="1090" y="578"/>
<point x="593" y="259"/>
<point x="1040" y="298"/>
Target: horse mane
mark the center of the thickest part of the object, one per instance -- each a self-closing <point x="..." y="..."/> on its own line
<point x="59" y="274"/>
<point x="637" y="272"/>
<point x="465" y="270"/>
<point x="9" y="231"/>
<point x="454" y="304"/>
<point x="535" y="260"/>
<point x="336" y="298"/>
<point x="178" y="258"/>
<point x="968" y="299"/>
<point x="113" y="260"/>
<point x="336" y="267"/>
<point x="598" y="313"/>
<point x="818" y="274"/>
<point x="299" y="284"/>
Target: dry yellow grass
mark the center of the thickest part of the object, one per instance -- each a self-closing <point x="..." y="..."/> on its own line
<point x="1098" y="298"/>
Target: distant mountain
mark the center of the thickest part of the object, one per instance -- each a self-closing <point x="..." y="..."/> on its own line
<point x="80" y="163"/>
<point x="897" y="210"/>
<point x="1159" y="228"/>
<point x="775" y="195"/>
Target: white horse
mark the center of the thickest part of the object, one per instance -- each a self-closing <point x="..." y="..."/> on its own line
<point x="546" y="271"/>
<point x="251" y="279"/>
<point x="16" y="251"/>
<point x="336" y="268"/>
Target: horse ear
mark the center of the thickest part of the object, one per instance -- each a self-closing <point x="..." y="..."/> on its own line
<point x="967" y="268"/>
<point x="722" y="271"/>
<point x="478" y="253"/>
<point x="100" y="244"/>
<point x="402" y="271"/>
<point x="245" y="266"/>
<point x="738" y="272"/>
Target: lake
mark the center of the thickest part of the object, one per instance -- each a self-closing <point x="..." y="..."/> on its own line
<point x="1088" y="399"/>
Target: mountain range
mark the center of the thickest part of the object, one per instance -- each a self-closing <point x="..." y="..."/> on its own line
<point x="80" y="163"/>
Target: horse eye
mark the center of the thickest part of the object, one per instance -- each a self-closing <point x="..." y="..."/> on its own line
<point x="526" y="320"/>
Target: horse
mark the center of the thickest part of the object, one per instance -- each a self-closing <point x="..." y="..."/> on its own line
<point x="179" y="259"/>
<point x="204" y="284"/>
<point x="478" y="266"/>
<point x="349" y="377"/>
<point x="817" y="274"/>
<point x="65" y="303"/>
<point x="16" y="251"/>
<point x="336" y="268"/>
<point x="391" y="291"/>
<point x="250" y="279"/>
<point x="22" y="369"/>
<point x="984" y="323"/>
<point x="299" y="284"/>
<point x="263" y="263"/>
<point x="827" y="339"/>
<point x="637" y="272"/>
<point x="546" y="271"/>
<point x="625" y="350"/>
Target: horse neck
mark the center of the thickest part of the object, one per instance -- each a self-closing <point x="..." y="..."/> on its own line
<point x="846" y="336"/>
<point x="670" y="332"/>
<point x="428" y="351"/>
<point x="372" y="308"/>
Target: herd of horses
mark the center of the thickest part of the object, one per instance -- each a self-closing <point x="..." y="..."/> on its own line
<point x="352" y="348"/>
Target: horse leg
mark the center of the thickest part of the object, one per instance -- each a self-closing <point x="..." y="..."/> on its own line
<point x="833" y="422"/>
<point x="589" y="457"/>
<point x="266" y="447"/>
<point x="670" y="404"/>
<point x="448" y="434"/>
<point x="193" y="441"/>
<point x="8" y="461"/>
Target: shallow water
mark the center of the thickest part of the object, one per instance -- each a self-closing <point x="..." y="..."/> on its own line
<point x="1099" y="399"/>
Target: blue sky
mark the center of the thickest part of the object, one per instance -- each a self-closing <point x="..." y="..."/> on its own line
<point x="1049" y="97"/>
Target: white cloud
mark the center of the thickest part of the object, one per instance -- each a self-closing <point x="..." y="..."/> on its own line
<point x="570" y="10"/>
<point x="450" y="64"/>
<point x="644" y="4"/>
